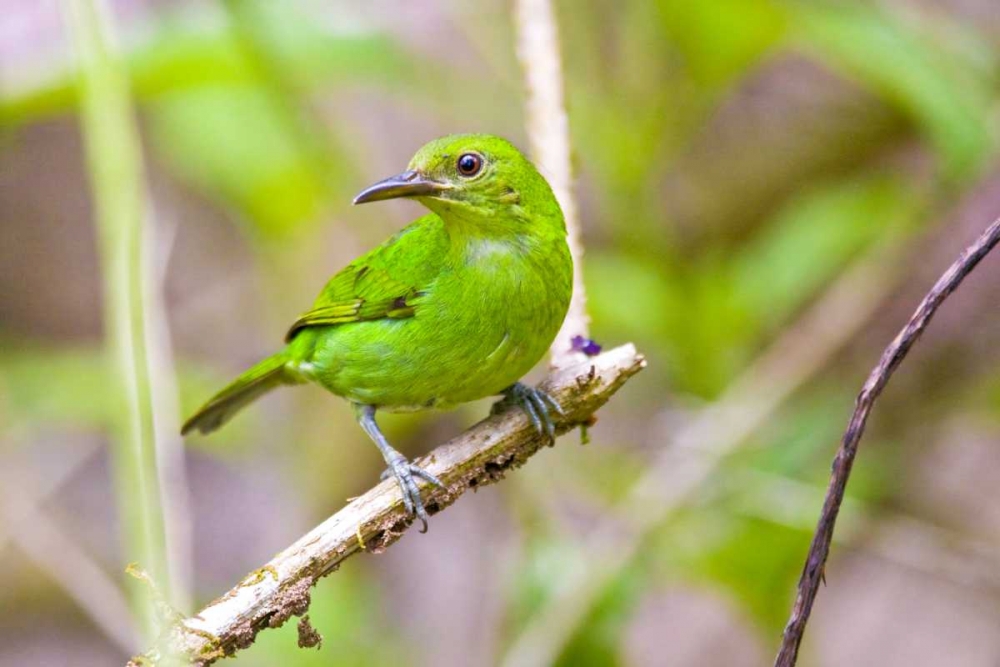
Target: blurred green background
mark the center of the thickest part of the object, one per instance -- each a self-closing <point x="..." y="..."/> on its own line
<point x="766" y="189"/>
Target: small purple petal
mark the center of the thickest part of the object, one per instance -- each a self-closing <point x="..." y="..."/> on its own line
<point x="586" y="345"/>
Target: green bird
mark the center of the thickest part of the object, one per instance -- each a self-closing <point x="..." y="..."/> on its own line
<point x="455" y="307"/>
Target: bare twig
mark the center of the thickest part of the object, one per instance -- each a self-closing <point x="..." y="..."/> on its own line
<point x="548" y="133"/>
<point x="696" y="450"/>
<point x="812" y="573"/>
<point x="279" y="590"/>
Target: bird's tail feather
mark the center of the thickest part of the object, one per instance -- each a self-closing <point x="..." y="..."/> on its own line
<point x="255" y="382"/>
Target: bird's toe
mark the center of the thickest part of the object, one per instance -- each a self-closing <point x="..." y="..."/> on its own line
<point x="406" y="474"/>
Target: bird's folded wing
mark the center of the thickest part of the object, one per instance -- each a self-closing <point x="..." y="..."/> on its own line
<point x="359" y="293"/>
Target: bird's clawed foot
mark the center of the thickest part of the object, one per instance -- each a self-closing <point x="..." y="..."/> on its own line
<point x="537" y="403"/>
<point x="399" y="467"/>
<point x="405" y="472"/>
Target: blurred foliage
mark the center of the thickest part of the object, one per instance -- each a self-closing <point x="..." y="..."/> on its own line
<point x="946" y="86"/>
<point x="251" y="107"/>
<point x="720" y="42"/>
<point x="64" y="387"/>
<point x="50" y="384"/>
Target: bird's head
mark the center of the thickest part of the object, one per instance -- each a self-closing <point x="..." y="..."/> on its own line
<point x="471" y="176"/>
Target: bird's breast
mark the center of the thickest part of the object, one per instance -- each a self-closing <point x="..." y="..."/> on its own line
<point x="502" y="309"/>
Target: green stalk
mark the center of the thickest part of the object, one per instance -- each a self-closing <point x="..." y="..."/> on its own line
<point x="115" y="168"/>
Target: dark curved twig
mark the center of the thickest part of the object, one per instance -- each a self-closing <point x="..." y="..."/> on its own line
<point x="812" y="573"/>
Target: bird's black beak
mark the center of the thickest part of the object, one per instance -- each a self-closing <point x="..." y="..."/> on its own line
<point x="407" y="184"/>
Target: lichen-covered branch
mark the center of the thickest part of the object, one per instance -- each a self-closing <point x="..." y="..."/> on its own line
<point x="892" y="357"/>
<point x="268" y="597"/>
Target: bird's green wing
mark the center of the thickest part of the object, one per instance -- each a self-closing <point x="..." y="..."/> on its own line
<point x="377" y="286"/>
<point x="363" y="293"/>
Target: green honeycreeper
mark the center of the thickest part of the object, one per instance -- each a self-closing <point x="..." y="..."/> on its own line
<point x="455" y="307"/>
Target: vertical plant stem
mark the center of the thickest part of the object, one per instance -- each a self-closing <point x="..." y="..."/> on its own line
<point x="115" y="169"/>
<point x="548" y="133"/>
<point x="175" y="498"/>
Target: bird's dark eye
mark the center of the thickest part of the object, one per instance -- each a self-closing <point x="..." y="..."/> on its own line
<point x="469" y="164"/>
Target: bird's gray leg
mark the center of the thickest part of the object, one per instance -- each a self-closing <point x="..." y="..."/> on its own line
<point x="538" y="404"/>
<point x="399" y="467"/>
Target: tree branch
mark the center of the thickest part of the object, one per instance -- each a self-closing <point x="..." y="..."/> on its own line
<point x="482" y="455"/>
<point x="812" y="573"/>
